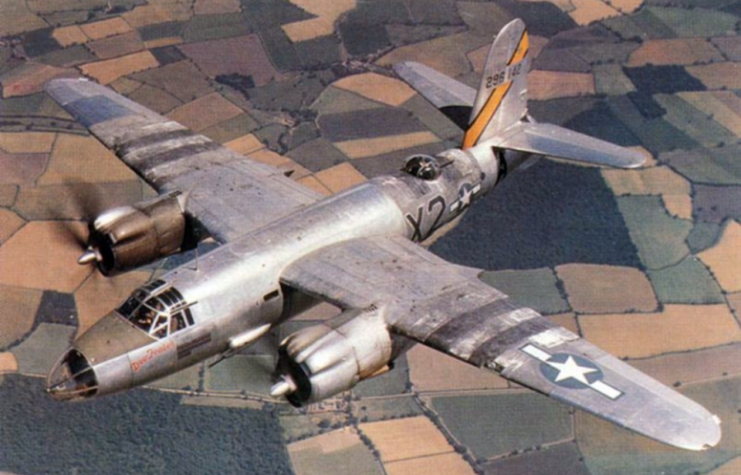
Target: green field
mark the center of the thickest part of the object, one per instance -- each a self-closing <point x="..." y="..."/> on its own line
<point x="695" y="22"/>
<point x="561" y="459"/>
<point x="393" y="382"/>
<point x="660" y="239"/>
<point x="536" y="288"/>
<point x="357" y="460"/>
<point x="717" y="166"/>
<point x="297" y="426"/>
<point x="693" y="122"/>
<point x="188" y="379"/>
<point x="251" y="374"/>
<point x="502" y="424"/>
<point x="379" y="409"/>
<point x="687" y="282"/>
<point x="703" y="236"/>
<point x="40" y="351"/>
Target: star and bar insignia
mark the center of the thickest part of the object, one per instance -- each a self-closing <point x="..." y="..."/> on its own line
<point x="572" y="371"/>
<point x="465" y="197"/>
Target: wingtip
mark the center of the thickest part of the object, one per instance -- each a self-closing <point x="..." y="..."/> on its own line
<point x="636" y="159"/>
<point x="704" y="436"/>
<point x="60" y="82"/>
<point x="697" y="433"/>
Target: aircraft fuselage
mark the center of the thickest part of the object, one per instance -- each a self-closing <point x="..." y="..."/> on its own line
<point x="228" y="298"/>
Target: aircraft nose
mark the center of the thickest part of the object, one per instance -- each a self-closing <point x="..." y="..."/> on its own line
<point x="72" y="378"/>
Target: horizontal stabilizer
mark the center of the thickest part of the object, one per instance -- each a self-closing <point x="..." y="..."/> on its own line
<point x="554" y="141"/>
<point x="441" y="90"/>
<point x="452" y="98"/>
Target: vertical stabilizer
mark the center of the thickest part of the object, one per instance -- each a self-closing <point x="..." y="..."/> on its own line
<point x="499" y="108"/>
<point x="501" y="100"/>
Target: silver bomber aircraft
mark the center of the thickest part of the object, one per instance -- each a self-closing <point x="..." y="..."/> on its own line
<point x="284" y="248"/>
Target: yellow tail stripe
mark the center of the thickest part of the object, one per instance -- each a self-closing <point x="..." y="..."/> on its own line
<point x="521" y="50"/>
<point x="487" y="112"/>
<point x="495" y="99"/>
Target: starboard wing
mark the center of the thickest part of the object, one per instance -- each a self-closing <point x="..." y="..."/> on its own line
<point x="448" y="308"/>
<point x="227" y="193"/>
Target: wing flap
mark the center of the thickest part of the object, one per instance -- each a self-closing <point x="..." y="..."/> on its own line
<point x="448" y="308"/>
<point x="555" y="141"/>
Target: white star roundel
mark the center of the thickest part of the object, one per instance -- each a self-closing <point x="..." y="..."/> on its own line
<point x="571" y="371"/>
<point x="465" y="196"/>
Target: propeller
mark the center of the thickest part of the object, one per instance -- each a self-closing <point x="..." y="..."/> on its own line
<point x="79" y="202"/>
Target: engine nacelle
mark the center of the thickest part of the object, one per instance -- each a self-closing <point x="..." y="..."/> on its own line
<point x="131" y="236"/>
<point x="321" y="361"/>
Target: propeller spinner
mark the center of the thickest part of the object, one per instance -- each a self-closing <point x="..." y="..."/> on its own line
<point x="90" y="256"/>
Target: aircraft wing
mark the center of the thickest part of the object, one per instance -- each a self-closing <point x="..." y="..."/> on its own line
<point x="448" y="308"/>
<point x="228" y="193"/>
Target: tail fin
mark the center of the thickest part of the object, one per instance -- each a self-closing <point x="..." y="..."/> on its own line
<point x="500" y="107"/>
<point x="501" y="100"/>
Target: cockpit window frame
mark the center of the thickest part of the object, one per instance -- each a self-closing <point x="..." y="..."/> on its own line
<point x="157" y="309"/>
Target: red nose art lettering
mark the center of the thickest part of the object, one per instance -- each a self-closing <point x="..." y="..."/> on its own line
<point x="150" y="355"/>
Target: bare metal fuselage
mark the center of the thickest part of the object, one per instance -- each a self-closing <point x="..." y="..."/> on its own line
<point x="235" y="293"/>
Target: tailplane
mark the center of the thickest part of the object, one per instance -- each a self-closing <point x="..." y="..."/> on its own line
<point x="498" y="109"/>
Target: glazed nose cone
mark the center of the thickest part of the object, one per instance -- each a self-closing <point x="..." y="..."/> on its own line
<point x="72" y="378"/>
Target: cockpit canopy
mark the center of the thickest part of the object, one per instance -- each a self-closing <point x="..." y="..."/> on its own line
<point x="158" y="309"/>
<point x="425" y="167"/>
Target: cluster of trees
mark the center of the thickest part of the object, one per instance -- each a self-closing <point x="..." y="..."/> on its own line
<point x="144" y="432"/>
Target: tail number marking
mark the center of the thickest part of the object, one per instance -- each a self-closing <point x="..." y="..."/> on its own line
<point x="506" y="75"/>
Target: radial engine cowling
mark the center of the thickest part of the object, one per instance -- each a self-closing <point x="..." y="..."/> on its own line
<point x="131" y="236"/>
<point x="320" y="361"/>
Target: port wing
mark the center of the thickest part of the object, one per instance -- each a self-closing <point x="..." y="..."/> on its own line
<point x="448" y="308"/>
